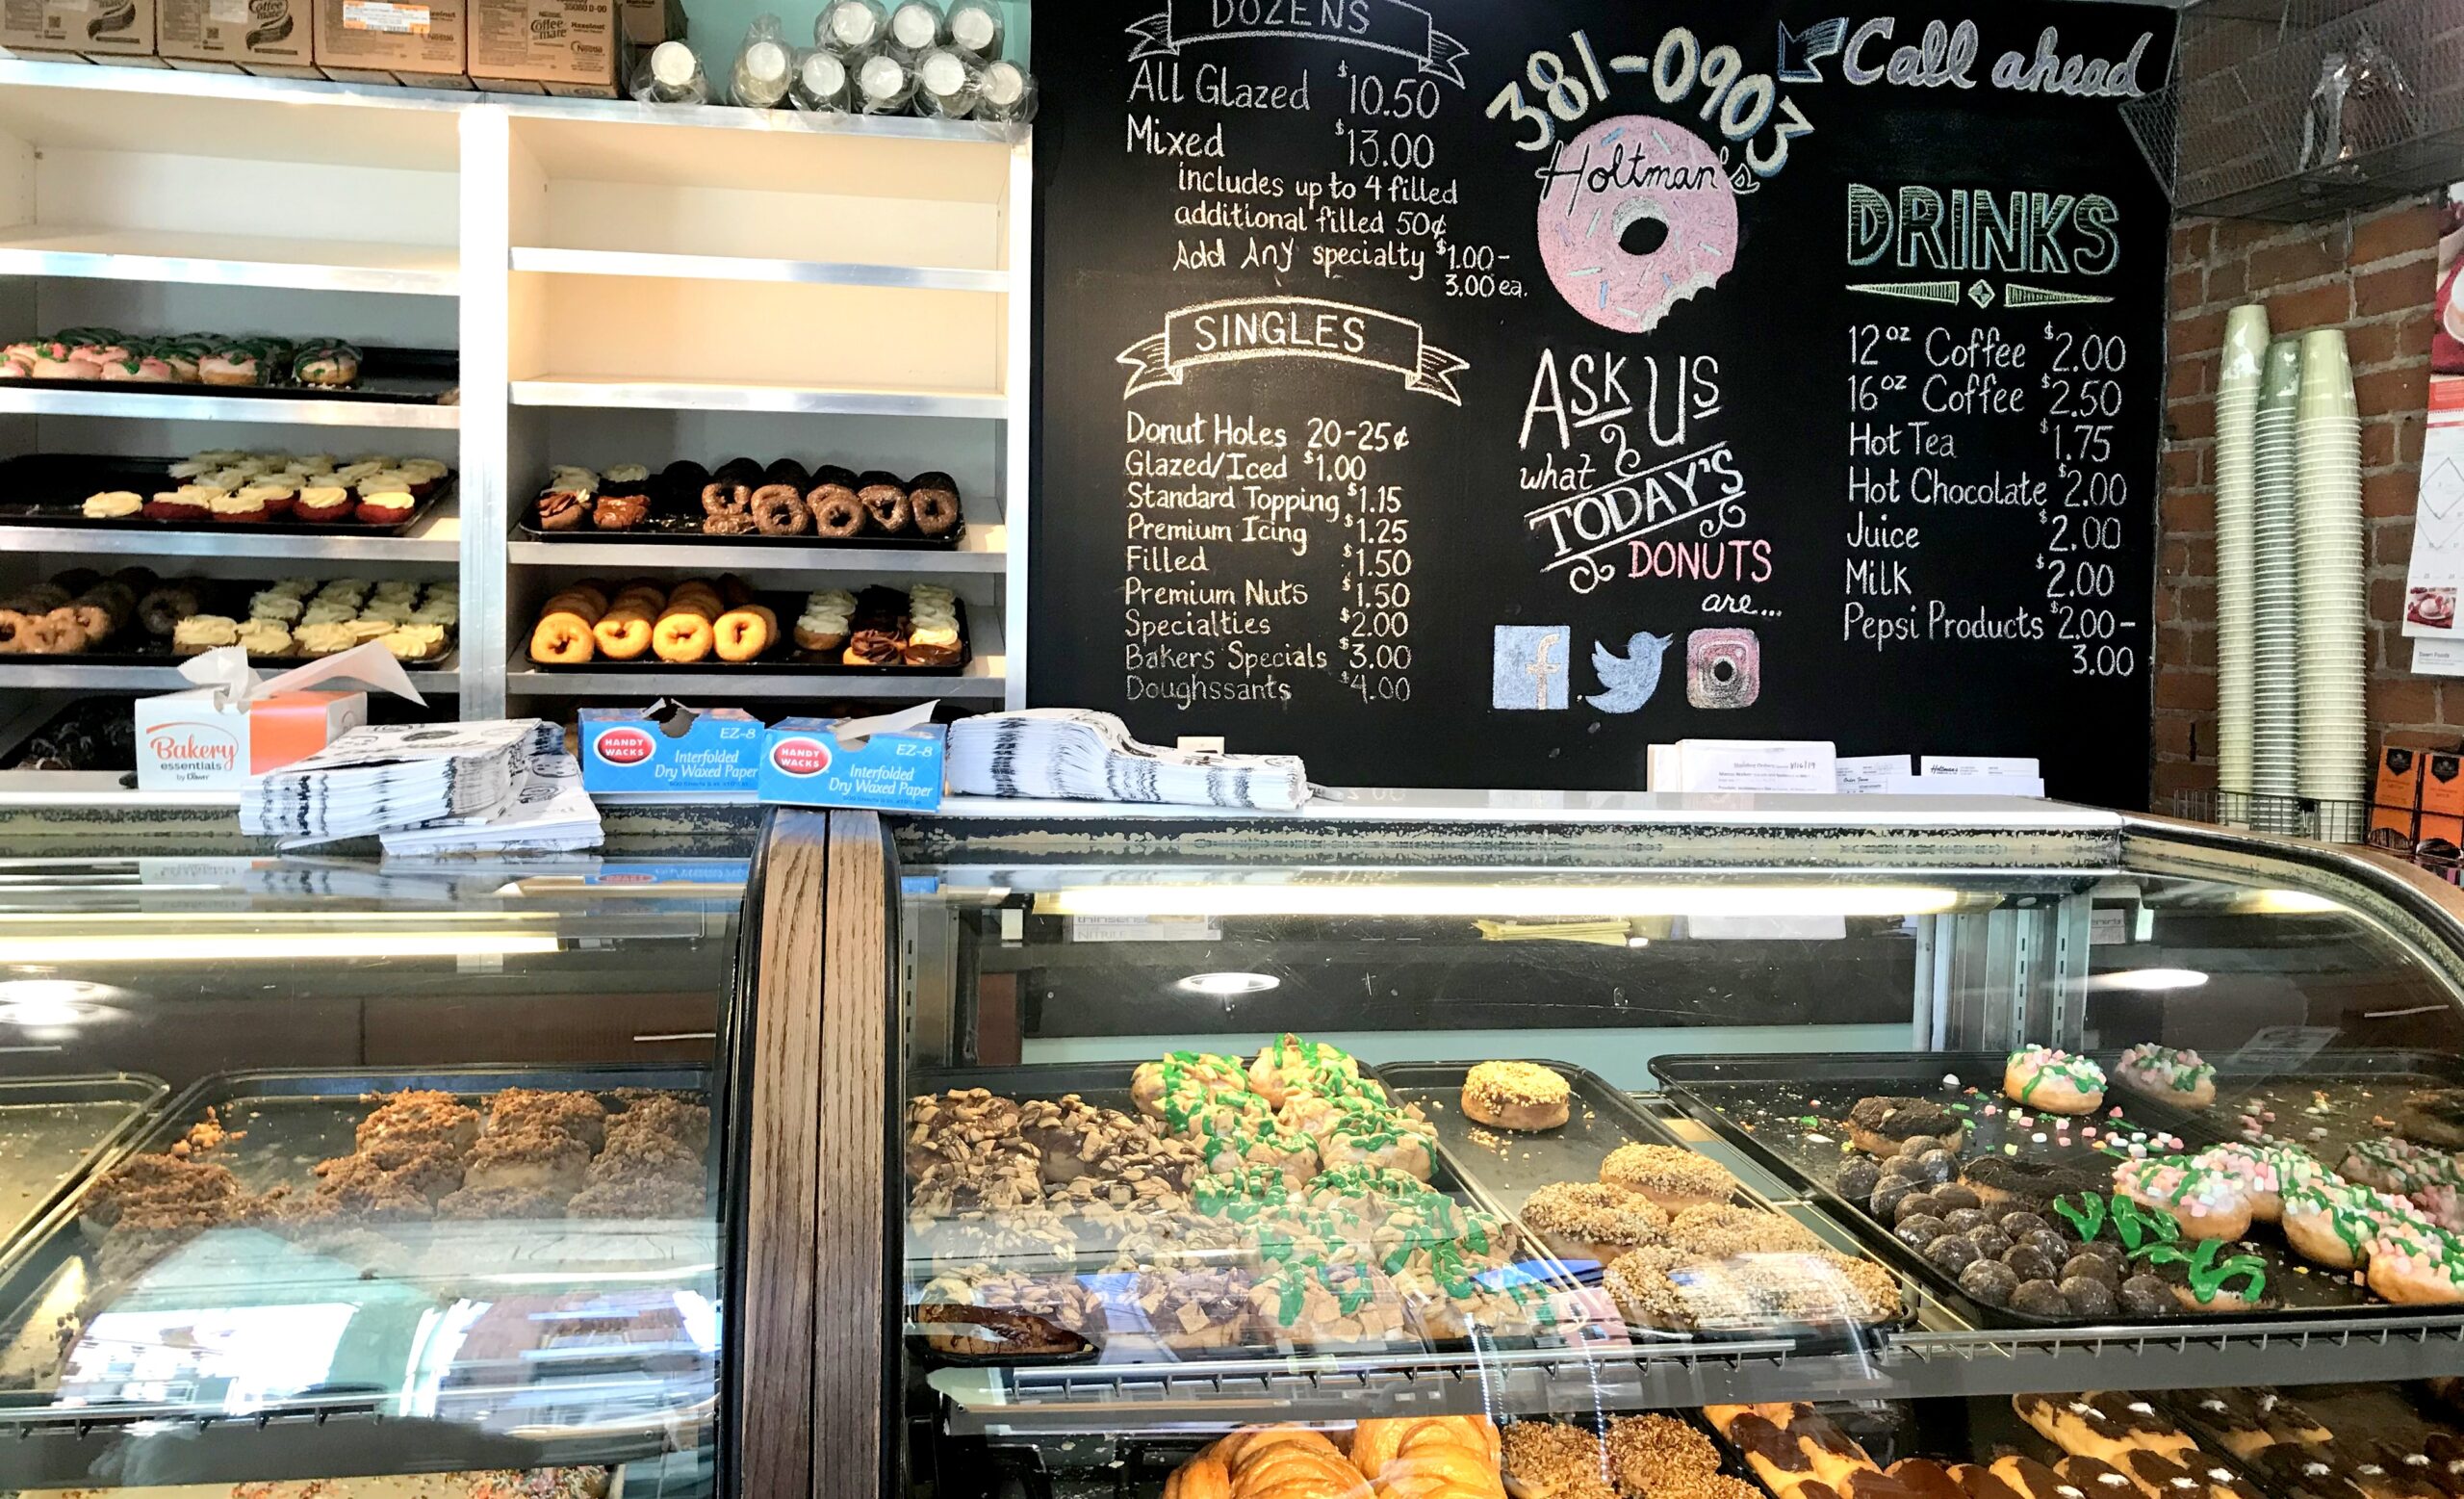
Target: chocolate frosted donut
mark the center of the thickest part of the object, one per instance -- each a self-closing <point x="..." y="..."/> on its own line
<point x="934" y="497"/>
<point x="682" y="483"/>
<point x="719" y="497"/>
<point x="887" y="505"/>
<point x="1881" y="1124"/>
<point x="738" y="471"/>
<point x="2002" y="1179"/>
<point x="787" y="470"/>
<point x="778" y="510"/>
<point x="836" y="512"/>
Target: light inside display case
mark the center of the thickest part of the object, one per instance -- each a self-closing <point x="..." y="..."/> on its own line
<point x="1215" y="1161"/>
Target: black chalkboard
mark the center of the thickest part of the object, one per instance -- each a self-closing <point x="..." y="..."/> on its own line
<point x="1476" y="394"/>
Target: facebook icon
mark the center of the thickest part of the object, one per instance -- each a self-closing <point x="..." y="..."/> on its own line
<point x="1528" y="667"/>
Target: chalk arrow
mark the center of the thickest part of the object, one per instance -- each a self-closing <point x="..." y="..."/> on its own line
<point x="1800" y="51"/>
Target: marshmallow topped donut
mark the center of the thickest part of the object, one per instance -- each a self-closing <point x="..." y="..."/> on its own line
<point x="1604" y="189"/>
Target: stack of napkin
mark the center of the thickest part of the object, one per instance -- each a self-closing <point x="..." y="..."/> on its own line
<point x="1077" y="753"/>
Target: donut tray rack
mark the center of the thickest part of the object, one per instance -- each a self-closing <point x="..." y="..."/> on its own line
<point x="282" y="1122"/>
<point x="1761" y="1105"/>
<point x="50" y="489"/>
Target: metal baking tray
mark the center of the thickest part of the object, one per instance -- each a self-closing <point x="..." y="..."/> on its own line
<point x="1107" y="1085"/>
<point x="392" y="376"/>
<point x="1508" y="1165"/>
<point x="50" y="489"/>
<point x="283" y="1123"/>
<point x="1760" y="1103"/>
<point x="788" y="607"/>
<point x="56" y="1132"/>
<point x="2325" y="1102"/>
<point x="675" y="525"/>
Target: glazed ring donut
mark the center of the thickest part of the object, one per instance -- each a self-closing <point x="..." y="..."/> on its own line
<point x="780" y="511"/>
<point x="769" y="615"/>
<point x="836" y="511"/>
<point x="623" y="634"/>
<point x="706" y="606"/>
<point x="726" y="500"/>
<point x="67" y="635"/>
<point x="92" y="618"/>
<point x="681" y="638"/>
<point x="645" y="601"/>
<point x="586" y="589"/>
<point x="887" y="505"/>
<point x="937" y="510"/>
<point x="579" y="607"/>
<point x="561" y="639"/>
<point x="736" y="591"/>
<point x="36" y="635"/>
<point x="12" y="626"/>
<point x="741" y="635"/>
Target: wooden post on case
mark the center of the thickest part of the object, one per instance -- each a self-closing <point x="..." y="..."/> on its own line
<point x="781" y="1187"/>
<point x="856" y="1302"/>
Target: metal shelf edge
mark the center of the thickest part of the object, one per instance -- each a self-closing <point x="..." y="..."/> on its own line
<point x="555" y="261"/>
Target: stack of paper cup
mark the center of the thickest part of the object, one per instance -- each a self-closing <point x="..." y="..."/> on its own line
<point x="2237" y="411"/>
<point x="2275" y="649"/>
<point x="2334" y="738"/>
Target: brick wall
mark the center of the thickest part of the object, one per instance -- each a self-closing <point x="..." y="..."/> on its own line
<point x="2373" y="274"/>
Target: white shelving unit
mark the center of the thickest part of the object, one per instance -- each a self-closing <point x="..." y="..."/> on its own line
<point x="623" y="282"/>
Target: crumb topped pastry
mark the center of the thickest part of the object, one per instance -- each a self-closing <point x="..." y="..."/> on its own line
<point x="1671" y="1176"/>
<point x="1591" y="1220"/>
<point x="1523" y="1097"/>
<point x="1883" y="1123"/>
<point x="577" y="1114"/>
<point x="419" y="1116"/>
<point x="531" y="1157"/>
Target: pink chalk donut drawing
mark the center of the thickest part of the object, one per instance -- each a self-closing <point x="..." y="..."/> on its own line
<point x="1613" y="176"/>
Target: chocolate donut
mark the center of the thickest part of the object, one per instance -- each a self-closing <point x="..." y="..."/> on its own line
<point x="887" y="505"/>
<point x="787" y="471"/>
<point x="778" y="510"/>
<point x="2005" y="1179"/>
<point x="832" y="474"/>
<point x="680" y="484"/>
<point x="934" y="497"/>
<point x="836" y="512"/>
<point x="161" y="611"/>
<point x="719" y="497"/>
<point x="738" y="471"/>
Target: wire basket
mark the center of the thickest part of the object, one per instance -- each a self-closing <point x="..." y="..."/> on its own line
<point x="2322" y="107"/>
<point x="2328" y="822"/>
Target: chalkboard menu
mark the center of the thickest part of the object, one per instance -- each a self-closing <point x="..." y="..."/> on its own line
<point x="1475" y="393"/>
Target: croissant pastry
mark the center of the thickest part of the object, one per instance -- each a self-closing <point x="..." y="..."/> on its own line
<point x="1268" y="1462"/>
<point x="1430" y="1457"/>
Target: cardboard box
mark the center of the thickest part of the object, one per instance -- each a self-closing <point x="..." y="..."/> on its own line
<point x="186" y="742"/>
<point x="646" y="23"/>
<point x="669" y="747"/>
<point x="99" y="29"/>
<point x="565" y="47"/>
<point x="274" y="39"/>
<point x="2443" y="799"/>
<point x="2396" y="796"/>
<point x="892" y="763"/>
<point x="408" y="41"/>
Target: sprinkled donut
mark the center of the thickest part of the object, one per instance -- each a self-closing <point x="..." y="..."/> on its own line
<point x="2207" y="1203"/>
<point x="2332" y="1223"/>
<point x="2393" y="1165"/>
<point x="2416" y="1266"/>
<point x="2262" y="1171"/>
<point x="2054" y="1081"/>
<point x="2167" y="1076"/>
<point x="1587" y="214"/>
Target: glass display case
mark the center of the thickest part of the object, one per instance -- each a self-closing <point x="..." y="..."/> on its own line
<point x="1619" y="1145"/>
<point x="326" y="1175"/>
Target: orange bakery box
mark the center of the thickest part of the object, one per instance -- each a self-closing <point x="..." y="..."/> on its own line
<point x="2443" y="798"/>
<point x="2395" y="798"/>
<point x="232" y="726"/>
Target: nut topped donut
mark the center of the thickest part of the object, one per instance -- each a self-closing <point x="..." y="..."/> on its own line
<point x="1592" y="1220"/>
<point x="2054" y="1081"/>
<point x="1674" y="1178"/>
<point x="1523" y="1097"/>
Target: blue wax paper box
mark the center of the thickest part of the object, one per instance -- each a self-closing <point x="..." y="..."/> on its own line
<point x="669" y="747"/>
<point x="804" y="763"/>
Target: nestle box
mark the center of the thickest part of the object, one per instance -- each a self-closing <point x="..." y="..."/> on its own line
<point x="546" y="46"/>
<point x="407" y="41"/>
<point x="273" y="38"/>
<point x="669" y="747"/>
<point x="189" y="741"/>
<point x="806" y="762"/>
<point x="106" y="31"/>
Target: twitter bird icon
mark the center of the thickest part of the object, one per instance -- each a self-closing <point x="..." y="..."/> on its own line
<point x="1631" y="680"/>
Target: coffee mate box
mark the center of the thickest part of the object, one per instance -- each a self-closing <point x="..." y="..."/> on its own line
<point x="273" y="38"/>
<point x="418" y="42"/>
<point x="100" y="30"/>
<point x="566" y="47"/>
<point x="188" y="742"/>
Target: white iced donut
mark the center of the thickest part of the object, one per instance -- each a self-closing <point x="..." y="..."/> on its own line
<point x="1609" y="180"/>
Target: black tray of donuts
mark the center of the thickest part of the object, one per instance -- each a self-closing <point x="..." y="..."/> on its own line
<point x="880" y="619"/>
<point x="743" y="500"/>
<point x="267" y="371"/>
<point x="1800" y="1117"/>
<point x="51" y="488"/>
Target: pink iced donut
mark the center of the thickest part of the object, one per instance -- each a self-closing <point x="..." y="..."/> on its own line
<point x="1605" y="181"/>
